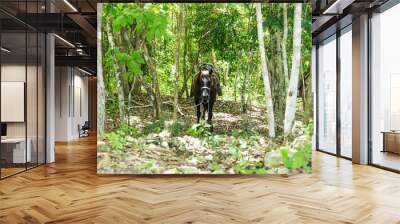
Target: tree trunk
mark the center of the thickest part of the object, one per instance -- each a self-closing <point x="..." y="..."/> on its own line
<point x="235" y="84"/>
<point x="176" y="66"/>
<point x="284" y="41"/>
<point x="267" y="88"/>
<point x="137" y="83"/>
<point x="258" y="78"/>
<point x="249" y="65"/>
<point x="125" y="46"/>
<point x="214" y="57"/>
<point x="226" y="74"/>
<point x="118" y="75"/>
<point x="246" y="75"/>
<point x="154" y="80"/>
<point x="185" y="68"/>
<point x="279" y="87"/>
<point x="294" y="76"/>
<point x="101" y="91"/>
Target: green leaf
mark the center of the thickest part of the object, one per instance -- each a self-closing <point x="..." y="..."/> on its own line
<point x="284" y="153"/>
<point x="261" y="171"/>
<point x="137" y="57"/>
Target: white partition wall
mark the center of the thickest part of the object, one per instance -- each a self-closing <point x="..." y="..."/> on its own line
<point x="71" y="102"/>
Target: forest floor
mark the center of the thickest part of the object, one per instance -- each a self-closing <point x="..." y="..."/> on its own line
<point x="239" y="143"/>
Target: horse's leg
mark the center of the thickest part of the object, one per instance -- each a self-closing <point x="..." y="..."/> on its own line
<point x="197" y="103"/>
<point x="210" y="114"/>
<point x="205" y="106"/>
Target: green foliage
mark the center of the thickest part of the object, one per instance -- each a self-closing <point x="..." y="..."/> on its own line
<point x="309" y="129"/>
<point x="178" y="127"/>
<point x="154" y="127"/>
<point x="301" y="159"/>
<point x="116" y="140"/>
<point x="199" y="130"/>
<point x="219" y="33"/>
<point x="126" y="130"/>
<point x="234" y="152"/>
<point x="215" y="167"/>
<point x="145" y="37"/>
<point x="245" y="167"/>
<point x="243" y="133"/>
<point x="214" y="140"/>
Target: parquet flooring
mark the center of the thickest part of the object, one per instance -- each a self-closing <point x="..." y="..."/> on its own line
<point x="70" y="191"/>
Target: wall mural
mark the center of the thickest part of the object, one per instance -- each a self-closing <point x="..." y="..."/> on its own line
<point x="205" y="88"/>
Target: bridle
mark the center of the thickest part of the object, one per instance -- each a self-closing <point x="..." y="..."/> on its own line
<point x="205" y="87"/>
<point x="208" y="90"/>
<point x="210" y="69"/>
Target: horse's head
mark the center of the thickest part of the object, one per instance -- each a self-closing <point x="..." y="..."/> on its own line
<point x="205" y="84"/>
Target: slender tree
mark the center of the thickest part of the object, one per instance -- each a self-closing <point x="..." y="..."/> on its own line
<point x="154" y="82"/>
<point x="237" y="75"/>
<point x="118" y="75"/>
<point x="284" y="42"/>
<point x="294" y="76"/>
<point x="184" y="88"/>
<point x="264" y="69"/>
<point x="243" y="101"/>
<point x="176" y="66"/>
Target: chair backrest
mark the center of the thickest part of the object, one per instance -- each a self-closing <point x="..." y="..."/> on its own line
<point x="86" y="125"/>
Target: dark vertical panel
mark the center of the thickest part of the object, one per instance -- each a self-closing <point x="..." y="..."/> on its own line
<point x="1" y="163"/>
<point x="317" y="97"/>
<point x="45" y="90"/>
<point x="26" y="79"/>
<point x="338" y="73"/>
<point x="369" y="55"/>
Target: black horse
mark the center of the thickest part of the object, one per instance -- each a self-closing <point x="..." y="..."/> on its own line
<point x="204" y="89"/>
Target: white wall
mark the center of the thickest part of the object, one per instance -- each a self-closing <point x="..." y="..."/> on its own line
<point x="62" y="82"/>
<point x="12" y="73"/>
<point x="33" y="126"/>
<point x="70" y="83"/>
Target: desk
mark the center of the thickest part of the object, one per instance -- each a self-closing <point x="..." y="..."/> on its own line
<point x="391" y="141"/>
<point x="13" y="150"/>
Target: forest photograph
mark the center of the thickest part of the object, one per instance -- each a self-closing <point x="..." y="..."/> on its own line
<point x="205" y="88"/>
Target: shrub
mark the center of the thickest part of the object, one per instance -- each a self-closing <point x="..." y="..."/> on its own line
<point x="116" y="140"/>
<point x="154" y="127"/>
<point x="214" y="141"/>
<point x="199" y="130"/>
<point x="178" y="127"/>
<point x="243" y="133"/>
<point x="125" y="130"/>
<point x="301" y="159"/>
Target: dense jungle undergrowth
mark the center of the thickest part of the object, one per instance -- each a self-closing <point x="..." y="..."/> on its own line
<point x="237" y="145"/>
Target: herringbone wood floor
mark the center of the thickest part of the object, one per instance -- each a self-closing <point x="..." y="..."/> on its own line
<point x="70" y="191"/>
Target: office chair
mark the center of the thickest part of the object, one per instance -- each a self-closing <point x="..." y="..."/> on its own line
<point x="84" y="130"/>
